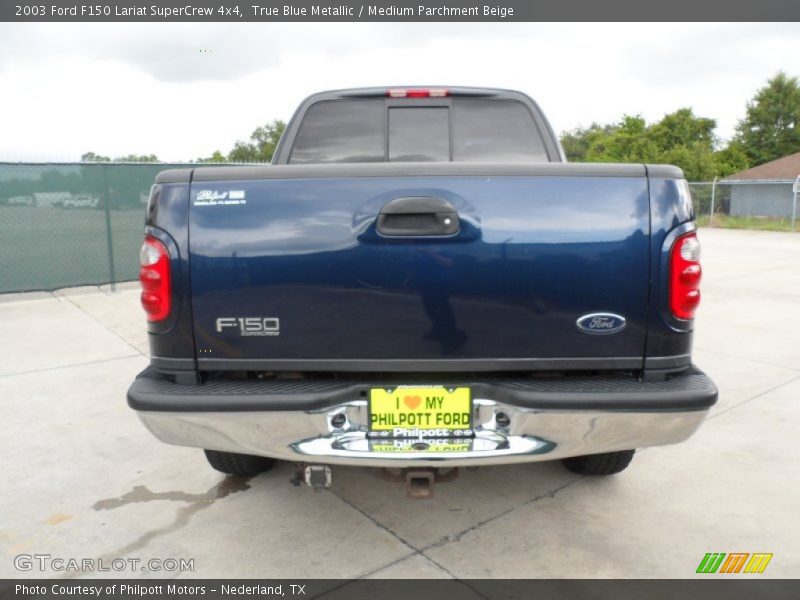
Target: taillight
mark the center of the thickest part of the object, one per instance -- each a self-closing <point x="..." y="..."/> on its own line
<point x="685" y="274"/>
<point x="154" y="277"/>
<point x="418" y="93"/>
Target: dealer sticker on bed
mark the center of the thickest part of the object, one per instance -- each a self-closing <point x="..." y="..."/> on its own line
<point x="216" y="198"/>
<point x="421" y="412"/>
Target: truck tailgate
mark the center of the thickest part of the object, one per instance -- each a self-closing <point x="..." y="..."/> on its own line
<point x="289" y="271"/>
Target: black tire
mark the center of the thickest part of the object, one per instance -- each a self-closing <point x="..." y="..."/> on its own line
<point x="242" y="465"/>
<point x="607" y="463"/>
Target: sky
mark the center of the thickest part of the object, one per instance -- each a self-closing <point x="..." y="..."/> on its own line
<point x="181" y="91"/>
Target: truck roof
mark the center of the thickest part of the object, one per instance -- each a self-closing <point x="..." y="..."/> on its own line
<point x="385" y="91"/>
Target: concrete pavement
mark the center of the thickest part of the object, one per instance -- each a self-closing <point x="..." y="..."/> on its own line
<point x="84" y="479"/>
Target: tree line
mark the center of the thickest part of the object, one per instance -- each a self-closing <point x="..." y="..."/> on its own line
<point x="769" y="130"/>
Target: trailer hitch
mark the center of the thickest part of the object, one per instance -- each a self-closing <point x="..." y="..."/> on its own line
<point x="420" y="483"/>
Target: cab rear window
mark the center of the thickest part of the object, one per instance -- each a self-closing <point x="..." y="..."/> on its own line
<point x="419" y="134"/>
<point x="495" y="131"/>
<point x="341" y="132"/>
<point x="463" y="130"/>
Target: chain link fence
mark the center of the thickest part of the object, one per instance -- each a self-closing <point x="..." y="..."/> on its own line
<point x="752" y="204"/>
<point x="70" y="224"/>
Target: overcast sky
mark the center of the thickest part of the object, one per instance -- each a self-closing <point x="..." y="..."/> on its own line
<point x="117" y="89"/>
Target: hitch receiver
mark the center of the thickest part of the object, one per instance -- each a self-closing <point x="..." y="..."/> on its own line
<point x="419" y="483"/>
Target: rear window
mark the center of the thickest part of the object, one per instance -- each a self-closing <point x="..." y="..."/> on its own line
<point x="341" y="132"/>
<point x="495" y="131"/>
<point x="419" y="134"/>
<point x="464" y="129"/>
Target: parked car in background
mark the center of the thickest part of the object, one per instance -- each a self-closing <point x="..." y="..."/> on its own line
<point x="80" y="201"/>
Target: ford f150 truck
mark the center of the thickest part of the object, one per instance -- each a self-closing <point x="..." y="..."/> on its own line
<point x="420" y="280"/>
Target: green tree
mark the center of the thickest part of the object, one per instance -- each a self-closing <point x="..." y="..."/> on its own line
<point x="687" y="141"/>
<point x="629" y="142"/>
<point x="683" y="128"/>
<point x="137" y="158"/>
<point x="680" y="138"/>
<point x="92" y="157"/>
<point x="731" y="159"/>
<point x="576" y="143"/>
<point x="771" y="127"/>
<point x="216" y="157"/>
<point x="261" y="146"/>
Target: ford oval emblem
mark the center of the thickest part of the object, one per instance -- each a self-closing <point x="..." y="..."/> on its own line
<point x="601" y="323"/>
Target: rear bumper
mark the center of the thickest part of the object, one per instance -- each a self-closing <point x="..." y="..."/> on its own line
<point x="548" y="419"/>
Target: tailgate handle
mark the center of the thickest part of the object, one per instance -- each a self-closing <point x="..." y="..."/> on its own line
<point x="417" y="216"/>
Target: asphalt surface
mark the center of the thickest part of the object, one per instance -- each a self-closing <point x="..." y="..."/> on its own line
<point x="83" y="479"/>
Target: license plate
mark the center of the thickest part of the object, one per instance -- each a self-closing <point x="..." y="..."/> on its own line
<point x="427" y="411"/>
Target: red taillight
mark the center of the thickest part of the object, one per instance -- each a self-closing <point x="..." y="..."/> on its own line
<point x="418" y="93"/>
<point x="684" y="276"/>
<point x="154" y="277"/>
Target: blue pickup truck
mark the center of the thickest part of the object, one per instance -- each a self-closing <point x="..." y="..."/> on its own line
<point x="420" y="280"/>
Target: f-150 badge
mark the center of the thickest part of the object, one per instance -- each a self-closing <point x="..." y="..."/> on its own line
<point x="601" y="323"/>
<point x="250" y="326"/>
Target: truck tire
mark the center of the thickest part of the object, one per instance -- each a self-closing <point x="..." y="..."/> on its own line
<point x="607" y="463"/>
<point x="242" y="465"/>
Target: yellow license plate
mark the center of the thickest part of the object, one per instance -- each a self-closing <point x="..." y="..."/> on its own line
<point x="428" y="411"/>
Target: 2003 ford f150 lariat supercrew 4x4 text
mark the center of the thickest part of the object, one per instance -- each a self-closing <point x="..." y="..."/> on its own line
<point x="420" y="281"/>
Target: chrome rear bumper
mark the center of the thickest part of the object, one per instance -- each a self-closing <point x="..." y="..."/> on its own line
<point x="531" y="435"/>
<point x="519" y="419"/>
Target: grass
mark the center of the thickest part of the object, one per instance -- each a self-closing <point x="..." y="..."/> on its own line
<point x="758" y="223"/>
